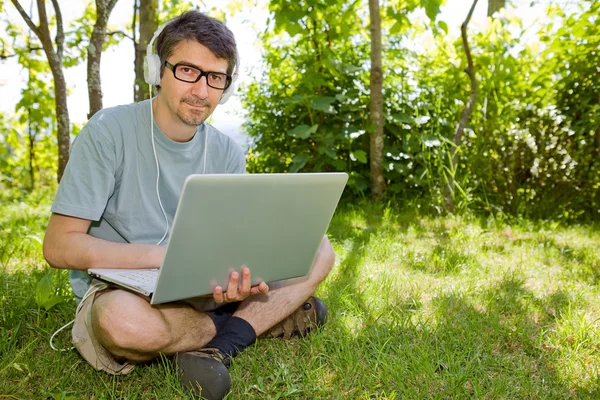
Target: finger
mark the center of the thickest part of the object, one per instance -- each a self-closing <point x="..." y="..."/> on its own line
<point x="232" y="288"/>
<point x="218" y="294"/>
<point x="261" y="288"/>
<point x="245" y="291"/>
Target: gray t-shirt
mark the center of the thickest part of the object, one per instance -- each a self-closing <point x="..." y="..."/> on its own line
<point x="110" y="178"/>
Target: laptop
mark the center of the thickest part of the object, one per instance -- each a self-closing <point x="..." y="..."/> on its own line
<point x="272" y="223"/>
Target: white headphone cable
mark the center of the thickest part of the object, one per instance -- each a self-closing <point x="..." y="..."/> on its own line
<point x="88" y="293"/>
<point x="157" y="167"/>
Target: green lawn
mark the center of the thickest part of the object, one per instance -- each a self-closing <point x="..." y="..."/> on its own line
<point x="420" y="307"/>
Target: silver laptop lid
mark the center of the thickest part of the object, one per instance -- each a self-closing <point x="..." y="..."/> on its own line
<point x="273" y="223"/>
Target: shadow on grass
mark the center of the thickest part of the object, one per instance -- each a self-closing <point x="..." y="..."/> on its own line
<point x="582" y="263"/>
<point x="443" y="260"/>
<point x="349" y="220"/>
<point x="451" y="347"/>
<point x="464" y="349"/>
<point x="346" y="282"/>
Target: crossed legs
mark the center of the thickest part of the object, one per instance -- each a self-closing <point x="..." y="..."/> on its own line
<point x="129" y="327"/>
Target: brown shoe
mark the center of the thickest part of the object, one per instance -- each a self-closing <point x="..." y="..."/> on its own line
<point x="204" y="372"/>
<point x="308" y="316"/>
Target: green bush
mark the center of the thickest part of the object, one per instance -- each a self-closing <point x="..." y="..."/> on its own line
<point x="531" y="147"/>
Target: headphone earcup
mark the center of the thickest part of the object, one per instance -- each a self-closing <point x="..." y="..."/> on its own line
<point x="152" y="69"/>
<point x="230" y="90"/>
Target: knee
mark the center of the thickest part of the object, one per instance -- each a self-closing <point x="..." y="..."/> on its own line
<point x="126" y="324"/>
<point x="324" y="262"/>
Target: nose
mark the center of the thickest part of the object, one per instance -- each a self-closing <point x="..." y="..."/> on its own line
<point x="200" y="88"/>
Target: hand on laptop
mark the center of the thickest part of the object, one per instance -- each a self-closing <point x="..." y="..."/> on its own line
<point x="236" y="292"/>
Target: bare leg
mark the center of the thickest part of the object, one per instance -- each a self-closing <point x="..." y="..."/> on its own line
<point x="129" y="327"/>
<point x="265" y="311"/>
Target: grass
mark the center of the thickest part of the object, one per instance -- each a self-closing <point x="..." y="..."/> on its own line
<point x="420" y="307"/>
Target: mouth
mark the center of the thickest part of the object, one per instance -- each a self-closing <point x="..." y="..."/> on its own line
<point x="196" y="103"/>
<point x="198" y="106"/>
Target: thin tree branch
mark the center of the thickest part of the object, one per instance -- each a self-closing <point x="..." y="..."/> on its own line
<point x="464" y="118"/>
<point x="134" y="23"/>
<point x="471" y="72"/>
<point x="4" y="56"/>
<point x="121" y="33"/>
<point x="463" y="29"/>
<point x="43" y="29"/>
<point x="60" y="33"/>
<point x="28" y="20"/>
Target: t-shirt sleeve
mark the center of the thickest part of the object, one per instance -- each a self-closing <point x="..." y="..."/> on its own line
<point x="89" y="178"/>
<point x="237" y="159"/>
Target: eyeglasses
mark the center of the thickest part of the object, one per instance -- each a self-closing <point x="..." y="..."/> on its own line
<point x="187" y="73"/>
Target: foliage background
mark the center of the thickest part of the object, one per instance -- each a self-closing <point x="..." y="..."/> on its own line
<point x="531" y="148"/>
<point x="532" y="144"/>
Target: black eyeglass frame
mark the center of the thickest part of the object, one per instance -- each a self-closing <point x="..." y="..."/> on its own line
<point x="228" y="78"/>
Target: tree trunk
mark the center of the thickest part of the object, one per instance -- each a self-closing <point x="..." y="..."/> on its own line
<point x="103" y="10"/>
<point x="148" y="23"/>
<point x="464" y="118"/>
<point x="376" y="93"/>
<point x="31" y="133"/>
<point x="55" y="60"/>
<point x="495" y="5"/>
<point x="62" y="118"/>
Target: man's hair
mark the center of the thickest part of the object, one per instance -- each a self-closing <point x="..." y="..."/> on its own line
<point x="194" y="25"/>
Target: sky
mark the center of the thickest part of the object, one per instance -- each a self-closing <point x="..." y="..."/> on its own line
<point x="117" y="71"/>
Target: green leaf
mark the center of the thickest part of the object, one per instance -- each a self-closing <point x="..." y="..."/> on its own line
<point x="443" y="26"/>
<point x="294" y="100"/>
<point x="323" y="104"/>
<point x="339" y="165"/>
<point x="299" y="162"/>
<point x="360" y="155"/>
<point x="17" y="367"/>
<point x="403" y="119"/>
<point x="54" y="300"/>
<point x="44" y="293"/>
<point x="43" y="290"/>
<point x="396" y="28"/>
<point x="328" y="151"/>
<point x="432" y="8"/>
<point x="303" y="131"/>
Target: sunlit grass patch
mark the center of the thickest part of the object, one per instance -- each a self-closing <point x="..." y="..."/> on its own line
<point x="419" y="307"/>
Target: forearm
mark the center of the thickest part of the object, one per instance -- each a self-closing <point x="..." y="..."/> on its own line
<point x="77" y="250"/>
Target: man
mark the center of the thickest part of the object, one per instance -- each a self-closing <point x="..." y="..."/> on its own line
<point x="110" y="212"/>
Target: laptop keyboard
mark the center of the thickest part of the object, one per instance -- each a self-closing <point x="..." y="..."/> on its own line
<point x="142" y="277"/>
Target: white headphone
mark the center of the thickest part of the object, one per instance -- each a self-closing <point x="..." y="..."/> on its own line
<point x="152" y="66"/>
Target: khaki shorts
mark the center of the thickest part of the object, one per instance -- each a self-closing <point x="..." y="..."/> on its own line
<point x="86" y="342"/>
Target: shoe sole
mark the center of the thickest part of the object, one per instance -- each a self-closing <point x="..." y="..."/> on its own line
<point x="206" y="377"/>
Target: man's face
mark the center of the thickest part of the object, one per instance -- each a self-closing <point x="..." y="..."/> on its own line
<point x="192" y="103"/>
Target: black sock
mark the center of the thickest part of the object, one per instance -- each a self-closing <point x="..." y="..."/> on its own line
<point x="236" y="335"/>
<point x="221" y="315"/>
